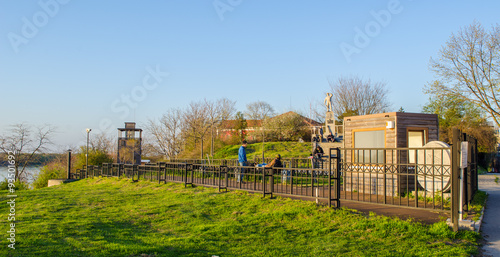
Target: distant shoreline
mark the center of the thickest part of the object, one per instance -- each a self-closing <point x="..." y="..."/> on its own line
<point x="34" y="169"/>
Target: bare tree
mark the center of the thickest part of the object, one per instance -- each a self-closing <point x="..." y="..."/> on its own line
<point x="218" y="111"/>
<point x="352" y="94"/>
<point x="167" y="133"/>
<point x="23" y="143"/>
<point x="315" y="111"/>
<point x="196" y="122"/>
<point x="102" y="142"/>
<point x="259" y="111"/>
<point x="468" y="68"/>
<point x="177" y="127"/>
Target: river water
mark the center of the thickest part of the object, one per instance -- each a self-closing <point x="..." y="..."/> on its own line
<point x="33" y="170"/>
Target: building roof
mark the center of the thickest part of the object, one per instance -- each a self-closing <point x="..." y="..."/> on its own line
<point x="308" y="121"/>
<point x="250" y="123"/>
<point x="391" y="114"/>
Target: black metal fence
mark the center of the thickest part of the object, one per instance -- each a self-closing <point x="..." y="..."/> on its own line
<point x="424" y="178"/>
<point x="288" y="162"/>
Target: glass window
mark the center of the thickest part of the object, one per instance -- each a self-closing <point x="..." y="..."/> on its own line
<point x="369" y="140"/>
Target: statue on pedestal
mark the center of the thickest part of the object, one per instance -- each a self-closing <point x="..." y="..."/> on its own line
<point x="328" y="102"/>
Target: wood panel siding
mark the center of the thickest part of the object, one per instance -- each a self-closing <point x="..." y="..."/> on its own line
<point x="396" y="137"/>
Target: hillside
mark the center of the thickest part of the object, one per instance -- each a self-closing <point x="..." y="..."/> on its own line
<point x="285" y="149"/>
<point x="116" y="217"/>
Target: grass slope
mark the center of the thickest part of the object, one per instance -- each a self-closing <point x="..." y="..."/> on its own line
<point x="286" y="149"/>
<point x="115" y="217"/>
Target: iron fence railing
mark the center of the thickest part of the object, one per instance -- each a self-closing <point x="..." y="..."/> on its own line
<point x="424" y="178"/>
<point x="288" y="162"/>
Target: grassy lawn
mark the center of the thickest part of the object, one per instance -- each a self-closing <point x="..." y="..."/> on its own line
<point x="285" y="149"/>
<point x="115" y="217"/>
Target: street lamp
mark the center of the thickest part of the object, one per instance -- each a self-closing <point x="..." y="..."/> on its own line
<point x="87" y="154"/>
<point x="69" y="164"/>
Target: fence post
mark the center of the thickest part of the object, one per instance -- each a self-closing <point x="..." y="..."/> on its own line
<point x="476" y="186"/>
<point x="455" y="183"/>
<point x="337" y="177"/>
<point x="271" y="182"/>
<point x="385" y="176"/>
<point x="312" y="181"/>
<point x="263" y="181"/>
<point x="227" y="177"/>
<point x="192" y="176"/>
<point x="69" y="164"/>
<point x="330" y="178"/>
<point x="465" y="178"/>
<point x="159" y="170"/>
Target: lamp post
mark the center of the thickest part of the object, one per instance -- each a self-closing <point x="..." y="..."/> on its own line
<point x="69" y="164"/>
<point x="87" y="153"/>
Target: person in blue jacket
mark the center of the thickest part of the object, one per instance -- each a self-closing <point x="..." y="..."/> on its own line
<point x="242" y="159"/>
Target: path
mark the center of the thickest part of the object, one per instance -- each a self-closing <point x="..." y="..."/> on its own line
<point x="490" y="228"/>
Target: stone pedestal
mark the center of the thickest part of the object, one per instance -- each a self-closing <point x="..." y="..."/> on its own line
<point x="329" y="124"/>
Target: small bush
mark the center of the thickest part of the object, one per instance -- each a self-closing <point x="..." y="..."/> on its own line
<point x="54" y="170"/>
<point x="442" y="230"/>
<point x="4" y="185"/>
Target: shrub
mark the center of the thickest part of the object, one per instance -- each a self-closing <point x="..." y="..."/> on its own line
<point x="53" y="170"/>
<point x="96" y="157"/>
<point x="4" y="185"/>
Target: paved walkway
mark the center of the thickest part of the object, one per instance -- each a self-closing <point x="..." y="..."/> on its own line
<point x="490" y="228"/>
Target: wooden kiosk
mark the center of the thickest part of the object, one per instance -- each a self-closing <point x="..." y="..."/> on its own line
<point x="384" y="144"/>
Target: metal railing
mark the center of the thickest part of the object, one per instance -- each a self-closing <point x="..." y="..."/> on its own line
<point x="290" y="162"/>
<point x="424" y="178"/>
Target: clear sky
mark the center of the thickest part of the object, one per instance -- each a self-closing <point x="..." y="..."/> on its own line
<point x="77" y="64"/>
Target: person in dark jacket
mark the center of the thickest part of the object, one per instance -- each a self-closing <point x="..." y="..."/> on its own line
<point x="276" y="162"/>
<point x="318" y="152"/>
<point x="330" y="138"/>
<point x="317" y="155"/>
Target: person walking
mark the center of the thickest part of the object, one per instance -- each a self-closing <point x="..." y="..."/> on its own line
<point x="242" y="160"/>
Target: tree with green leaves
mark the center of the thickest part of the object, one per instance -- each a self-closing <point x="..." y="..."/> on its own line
<point x="347" y="113"/>
<point x="96" y="157"/>
<point x="454" y="112"/>
<point x="287" y="127"/>
<point x="468" y="69"/>
<point x="241" y="125"/>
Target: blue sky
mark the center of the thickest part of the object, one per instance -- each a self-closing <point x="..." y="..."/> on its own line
<point x="78" y="64"/>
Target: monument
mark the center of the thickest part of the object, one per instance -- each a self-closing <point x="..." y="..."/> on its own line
<point x="330" y="117"/>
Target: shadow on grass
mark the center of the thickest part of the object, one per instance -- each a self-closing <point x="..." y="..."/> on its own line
<point x="114" y="238"/>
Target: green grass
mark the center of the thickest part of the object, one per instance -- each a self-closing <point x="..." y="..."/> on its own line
<point x="477" y="204"/>
<point x="285" y="149"/>
<point x="481" y="170"/>
<point x="115" y="217"/>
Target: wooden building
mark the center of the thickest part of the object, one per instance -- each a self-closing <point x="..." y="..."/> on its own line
<point x="390" y="130"/>
<point x="129" y="144"/>
<point x="376" y="143"/>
